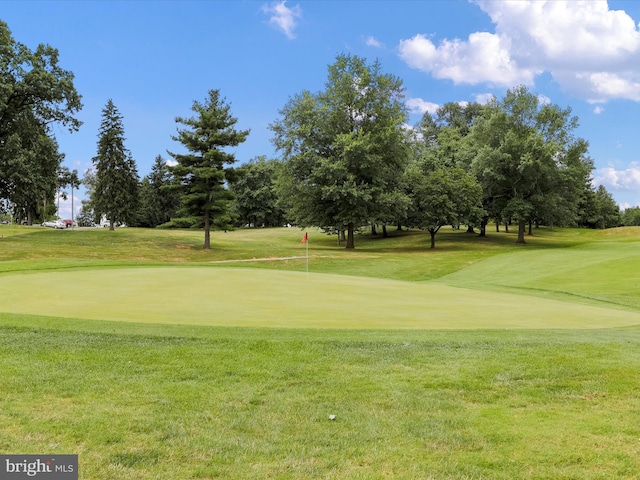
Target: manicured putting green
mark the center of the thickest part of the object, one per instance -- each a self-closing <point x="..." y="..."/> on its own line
<point x="267" y="298"/>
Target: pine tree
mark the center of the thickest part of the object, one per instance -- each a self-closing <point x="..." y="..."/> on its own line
<point x="117" y="181"/>
<point x="201" y="172"/>
<point x="158" y="202"/>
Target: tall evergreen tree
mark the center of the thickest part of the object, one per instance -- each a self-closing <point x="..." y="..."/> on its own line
<point x="158" y="203"/>
<point x="117" y="182"/>
<point x="201" y="173"/>
<point x="608" y="211"/>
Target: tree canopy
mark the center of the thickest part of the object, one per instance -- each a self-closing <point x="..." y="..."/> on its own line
<point x="344" y="149"/>
<point x="35" y="92"/>
<point x="256" y="197"/>
<point x="527" y="159"/>
<point x="441" y="196"/>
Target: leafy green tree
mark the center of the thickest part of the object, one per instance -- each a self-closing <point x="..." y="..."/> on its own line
<point x="524" y="155"/>
<point x="116" y="181"/>
<point x="631" y="217"/>
<point x="33" y="80"/>
<point x="444" y="134"/>
<point x="560" y="204"/>
<point x="443" y="138"/>
<point x="256" y="197"/>
<point x="158" y="202"/>
<point x="441" y="196"/>
<point x="344" y="150"/>
<point x="201" y="173"/>
<point x="34" y="93"/>
<point x="30" y="164"/>
<point x="607" y="210"/>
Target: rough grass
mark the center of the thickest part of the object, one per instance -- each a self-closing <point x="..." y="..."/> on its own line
<point x="175" y="403"/>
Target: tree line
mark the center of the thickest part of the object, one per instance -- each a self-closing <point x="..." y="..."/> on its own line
<point x="347" y="160"/>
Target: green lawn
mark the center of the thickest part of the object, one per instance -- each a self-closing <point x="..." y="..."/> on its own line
<point x="219" y="296"/>
<point x="479" y="359"/>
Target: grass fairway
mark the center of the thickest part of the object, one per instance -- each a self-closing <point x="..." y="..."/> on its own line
<point x="477" y="360"/>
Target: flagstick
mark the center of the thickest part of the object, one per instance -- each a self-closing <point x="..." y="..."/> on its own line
<point x="307" y="242"/>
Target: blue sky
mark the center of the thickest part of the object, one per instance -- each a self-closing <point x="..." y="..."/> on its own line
<point x="154" y="58"/>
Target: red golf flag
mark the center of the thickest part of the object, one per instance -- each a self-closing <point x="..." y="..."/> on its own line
<point x="305" y="238"/>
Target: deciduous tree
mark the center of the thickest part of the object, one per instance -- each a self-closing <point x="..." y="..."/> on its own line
<point x="256" y="198"/>
<point x="34" y="93"/>
<point x="343" y="148"/>
<point x="525" y="157"/>
<point x="441" y="196"/>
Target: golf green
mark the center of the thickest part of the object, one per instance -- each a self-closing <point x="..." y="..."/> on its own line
<point x="224" y="296"/>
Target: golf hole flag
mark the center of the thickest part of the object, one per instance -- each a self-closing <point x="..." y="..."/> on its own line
<point x="305" y="240"/>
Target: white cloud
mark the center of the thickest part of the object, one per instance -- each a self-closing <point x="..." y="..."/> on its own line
<point x="621" y="180"/>
<point x="418" y="105"/>
<point x="598" y="110"/>
<point x="590" y="50"/>
<point x="283" y="17"/>
<point x="484" y="98"/>
<point x="544" y="100"/>
<point x="482" y="59"/>
<point x="373" y="42"/>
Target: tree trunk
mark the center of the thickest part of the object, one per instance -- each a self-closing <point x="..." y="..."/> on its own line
<point x="497" y="226"/>
<point x="341" y="236"/>
<point x="483" y="228"/>
<point x="384" y="231"/>
<point x="530" y="228"/>
<point x="506" y="226"/>
<point x="350" y="240"/>
<point x="112" y="225"/>
<point x="433" y="238"/>
<point x="373" y="229"/>
<point x="470" y="229"/>
<point x="399" y="227"/>
<point x="207" y="232"/>
<point x="521" y="227"/>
